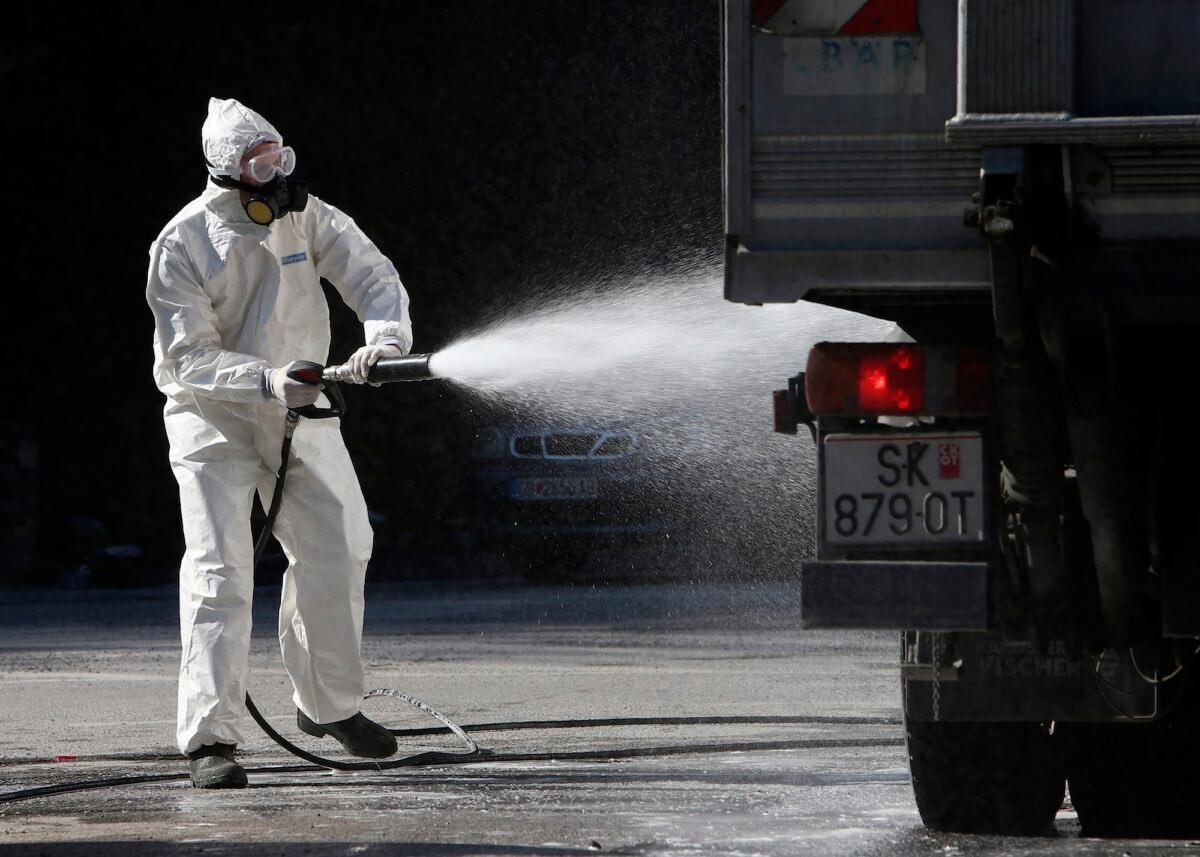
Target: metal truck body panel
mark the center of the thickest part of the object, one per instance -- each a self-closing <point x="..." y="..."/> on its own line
<point x="850" y="158"/>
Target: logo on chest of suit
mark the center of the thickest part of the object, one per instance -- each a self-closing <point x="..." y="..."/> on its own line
<point x="294" y="257"/>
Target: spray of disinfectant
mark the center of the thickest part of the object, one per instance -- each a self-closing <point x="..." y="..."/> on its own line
<point x="665" y="358"/>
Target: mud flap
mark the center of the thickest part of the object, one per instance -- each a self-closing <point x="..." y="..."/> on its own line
<point x="941" y="596"/>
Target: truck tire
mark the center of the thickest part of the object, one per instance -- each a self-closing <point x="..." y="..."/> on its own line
<point x="1001" y="778"/>
<point x="1137" y="779"/>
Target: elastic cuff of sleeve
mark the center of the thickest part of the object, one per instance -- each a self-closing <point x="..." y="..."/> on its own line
<point x="396" y="341"/>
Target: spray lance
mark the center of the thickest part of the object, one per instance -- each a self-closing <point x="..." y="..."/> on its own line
<point x="414" y="367"/>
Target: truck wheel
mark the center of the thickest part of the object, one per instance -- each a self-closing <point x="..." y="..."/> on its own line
<point x="1120" y="786"/>
<point x="1136" y="779"/>
<point x="985" y="777"/>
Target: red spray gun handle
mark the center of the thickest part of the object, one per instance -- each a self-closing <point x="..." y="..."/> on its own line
<point x="308" y="372"/>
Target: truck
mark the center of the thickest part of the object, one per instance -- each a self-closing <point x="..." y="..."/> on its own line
<point x="1008" y="480"/>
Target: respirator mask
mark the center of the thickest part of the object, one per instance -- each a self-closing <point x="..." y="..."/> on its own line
<point x="275" y="194"/>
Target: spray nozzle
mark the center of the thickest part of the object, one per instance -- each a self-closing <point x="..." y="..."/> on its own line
<point x="414" y="367"/>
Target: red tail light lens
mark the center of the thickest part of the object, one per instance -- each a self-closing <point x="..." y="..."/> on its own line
<point x="901" y="379"/>
<point x="892" y="381"/>
<point x="974" y="380"/>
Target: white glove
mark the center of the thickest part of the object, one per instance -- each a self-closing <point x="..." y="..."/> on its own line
<point x="293" y="394"/>
<point x="363" y="359"/>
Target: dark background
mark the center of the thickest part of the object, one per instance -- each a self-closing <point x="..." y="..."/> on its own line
<point x="487" y="147"/>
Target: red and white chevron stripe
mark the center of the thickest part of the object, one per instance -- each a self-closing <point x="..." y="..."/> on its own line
<point x="848" y="17"/>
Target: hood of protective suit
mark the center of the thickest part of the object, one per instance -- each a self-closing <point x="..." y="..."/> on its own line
<point x="230" y="129"/>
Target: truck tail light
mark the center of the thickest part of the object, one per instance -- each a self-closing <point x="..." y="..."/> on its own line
<point x="892" y="381"/>
<point x="900" y="379"/>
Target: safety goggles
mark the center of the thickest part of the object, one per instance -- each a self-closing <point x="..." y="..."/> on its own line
<point x="262" y="168"/>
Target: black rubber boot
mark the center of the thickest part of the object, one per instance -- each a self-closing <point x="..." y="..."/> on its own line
<point x="360" y="736"/>
<point x="213" y="767"/>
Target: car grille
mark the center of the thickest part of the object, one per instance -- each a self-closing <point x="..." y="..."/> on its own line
<point x="577" y="446"/>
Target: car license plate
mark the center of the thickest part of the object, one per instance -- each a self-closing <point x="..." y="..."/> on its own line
<point x="903" y="489"/>
<point x="554" y="488"/>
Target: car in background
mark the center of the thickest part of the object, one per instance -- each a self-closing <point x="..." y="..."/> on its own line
<point x="548" y="496"/>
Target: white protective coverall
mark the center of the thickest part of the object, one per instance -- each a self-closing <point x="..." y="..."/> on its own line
<point x="230" y="300"/>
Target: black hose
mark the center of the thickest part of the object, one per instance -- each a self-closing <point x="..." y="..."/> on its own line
<point x="285" y="454"/>
<point x="427" y="759"/>
<point x="430" y="758"/>
<point x="473" y="753"/>
<point x="593" y="722"/>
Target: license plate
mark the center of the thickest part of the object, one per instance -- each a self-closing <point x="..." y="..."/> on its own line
<point x="903" y="489"/>
<point x="554" y="488"/>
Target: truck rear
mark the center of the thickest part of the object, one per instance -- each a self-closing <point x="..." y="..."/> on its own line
<point x="1009" y="482"/>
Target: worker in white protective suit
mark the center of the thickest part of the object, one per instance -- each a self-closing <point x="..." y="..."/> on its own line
<point x="234" y="285"/>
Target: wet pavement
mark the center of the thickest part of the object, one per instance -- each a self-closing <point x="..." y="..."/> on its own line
<point x="702" y="721"/>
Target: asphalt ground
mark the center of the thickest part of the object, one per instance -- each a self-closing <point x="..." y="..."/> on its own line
<point x="822" y="769"/>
